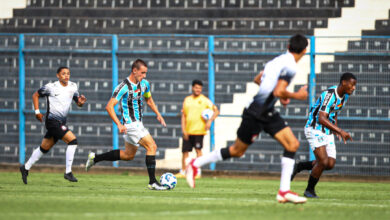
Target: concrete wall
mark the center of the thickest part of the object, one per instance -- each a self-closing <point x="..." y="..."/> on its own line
<point x="7" y="6"/>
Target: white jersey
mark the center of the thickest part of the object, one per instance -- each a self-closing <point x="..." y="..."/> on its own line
<point x="59" y="99"/>
<point x="281" y="67"/>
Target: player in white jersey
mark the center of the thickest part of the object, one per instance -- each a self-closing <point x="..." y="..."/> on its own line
<point x="129" y="95"/>
<point x="260" y="115"/>
<point x="59" y="96"/>
<point x="319" y="130"/>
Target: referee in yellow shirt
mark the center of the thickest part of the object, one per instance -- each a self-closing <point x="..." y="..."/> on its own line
<point x="193" y="126"/>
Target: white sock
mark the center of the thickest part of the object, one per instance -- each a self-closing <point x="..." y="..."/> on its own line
<point x="208" y="158"/>
<point x="35" y="156"/>
<point x="199" y="172"/>
<point x="69" y="157"/>
<point x="287" y="169"/>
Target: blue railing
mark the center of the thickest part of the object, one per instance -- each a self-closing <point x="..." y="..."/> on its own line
<point x="210" y="52"/>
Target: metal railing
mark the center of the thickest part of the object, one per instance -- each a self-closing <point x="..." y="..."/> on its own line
<point x="210" y="52"/>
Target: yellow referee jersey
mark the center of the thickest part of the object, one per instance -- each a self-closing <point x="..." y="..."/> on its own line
<point x="192" y="109"/>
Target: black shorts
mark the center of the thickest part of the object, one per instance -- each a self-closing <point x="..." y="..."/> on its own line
<point x="55" y="129"/>
<point x="251" y="126"/>
<point x="194" y="141"/>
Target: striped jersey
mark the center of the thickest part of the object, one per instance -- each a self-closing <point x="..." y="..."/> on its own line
<point x="281" y="67"/>
<point x="129" y="96"/>
<point x="329" y="102"/>
<point x="59" y="98"/>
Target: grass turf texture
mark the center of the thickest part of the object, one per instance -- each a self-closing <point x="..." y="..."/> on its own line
<point x="96" y="196"/>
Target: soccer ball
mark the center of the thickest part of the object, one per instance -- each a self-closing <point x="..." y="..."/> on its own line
<point x="207" y="114"/>
<point x="168" y="180"/>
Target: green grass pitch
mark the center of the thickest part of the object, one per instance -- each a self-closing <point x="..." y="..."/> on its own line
<point x="98" y="196"/>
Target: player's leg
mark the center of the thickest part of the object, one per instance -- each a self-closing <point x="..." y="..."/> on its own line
<point x="246" y="133"/>
<point x="331" y="152"/>
<point x="331" y="163"/>
<point x="290" y="143"/>
<point x="150" y="145"/>
<point x="308" y="165"/>
<point x="186" y="148"/>
<point x="303" y="165"/>
<point x="319" y="167"/>
<point x="70" y="139"/>
<point x="316" y="139"/>
<point x="198" y="145"/>
<point x="235" y="150"/>
<point x="131" y="138"/>
<point x="113" y="155"/>
<point x="198" y="154"/>
<point x="46" y="145"/>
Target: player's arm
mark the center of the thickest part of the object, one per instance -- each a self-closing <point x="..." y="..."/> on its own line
<point x="79" y="99"/>
<point x="111" y="112"/>
<point x="215" y="115"/>
<point x="152" y="105"/>
<point x="281" y="92"/>
<point x="35" y="98"/>
<point x="337" y="134"/>
<point x="257" y="78"/>
<point x="183" y="124"/>
<point x="323" y="119"/>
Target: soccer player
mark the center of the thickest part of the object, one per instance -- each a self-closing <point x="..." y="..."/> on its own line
<point x="193" y="126"/>
<point x="260" y="115"/>
<point x="129" y="95"/>
<point x="59" y="96"/>
<point x="319" y="130"/>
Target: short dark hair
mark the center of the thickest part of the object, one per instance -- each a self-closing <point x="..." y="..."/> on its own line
<point x="347" y="76"/>
<point x="61" y="68"/>
<point x="197" y="82"/>
<point x="137" y="64"/>
<point x="297" y="43"/>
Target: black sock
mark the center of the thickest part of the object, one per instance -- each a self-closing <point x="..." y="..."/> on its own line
<point x="151" y="166"/>
<point x="312" y="183"/>
<point x="225" y="153"/>
<point x="307" y="165"/>
<point x="113" y="155"/>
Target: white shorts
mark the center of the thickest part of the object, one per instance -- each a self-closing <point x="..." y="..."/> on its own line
<point x="135" y="131"/>
<point x="317" y="139"/>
